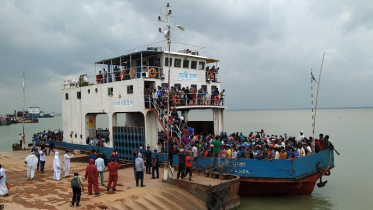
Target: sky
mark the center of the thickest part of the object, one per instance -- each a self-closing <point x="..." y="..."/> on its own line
<point x="266" y="48"/>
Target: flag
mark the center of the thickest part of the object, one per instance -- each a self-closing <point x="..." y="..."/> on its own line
<point x="313" y="78"/>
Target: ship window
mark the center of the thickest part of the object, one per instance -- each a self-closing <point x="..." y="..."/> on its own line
<point x="194" y="87"/>
<point x="89" y="91"/>
<point x="166" y="61"/>
<point x="164" y="86"/>
<point x="201" y="65"/>
<point x="110" y="91"/>
<point x="130" y="89"/>
<point x="213" y="88"/>
<point x="78" y="95"/>
<point x="66" y="96"/>
<point x="177" y="62"/>
<point x="177" y="86"/>
<point x="186" y="64"/>
<point x="204" y="86"/>
<point x="193" y="65"/>
<point x="96" y="90"/>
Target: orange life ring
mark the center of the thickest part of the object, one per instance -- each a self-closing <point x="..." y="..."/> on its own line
<point x="211" y="76"/>
<point x="132" y="73"/>
<point x="152" y="72"/>
<point x="216" y="99"/>
<point x="176" y="101"/>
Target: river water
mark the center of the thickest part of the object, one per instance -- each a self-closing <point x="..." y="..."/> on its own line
<point x="348" y="187"/>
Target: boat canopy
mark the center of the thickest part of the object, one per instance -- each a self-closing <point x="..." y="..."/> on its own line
<point x="211" y="60"/>
<point x="127" y="58"/>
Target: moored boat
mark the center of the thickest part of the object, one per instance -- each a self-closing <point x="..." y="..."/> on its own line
<point x="144" y="85"/>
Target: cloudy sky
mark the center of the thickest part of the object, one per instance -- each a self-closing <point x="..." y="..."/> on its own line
<point x="266" y="48"/>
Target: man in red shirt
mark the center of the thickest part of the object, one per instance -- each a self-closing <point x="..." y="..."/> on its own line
<point x="92" y="174"/>
<point x="188" y="164"/>
<point x="113" y="167"/>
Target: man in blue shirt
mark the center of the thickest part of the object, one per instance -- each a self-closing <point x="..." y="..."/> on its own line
<point x="92" y="155"/>
<point x="155" y="164"/>
<point x="148" y="159"/>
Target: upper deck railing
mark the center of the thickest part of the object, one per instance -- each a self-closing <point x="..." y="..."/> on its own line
<point x="177" y="47"/>
<point x="117" y="75"/>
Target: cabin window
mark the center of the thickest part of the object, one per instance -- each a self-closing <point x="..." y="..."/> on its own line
<point x="78" y="95"/>
<point x="186" y="64"/>
<point x="213" y="88"/>
<point x="204" y="86"/>
<point x="164" y="86"/>
<point x="177" y="62"/>
<point x="89" y="91"/>
<point x="96" y="90"/>
<point x="66" y="96"/>
<point x="201" y="65"/>
<point x="110" y="91"/>
<point x="130" y="89"/>
<point x="166" y="61"/>
<point x="194" y="87"/>
<point x="177" y="86"/>
<point x="193" y="65"/>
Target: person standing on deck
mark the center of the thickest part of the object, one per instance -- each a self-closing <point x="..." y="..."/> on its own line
<point x="92" y="174"/>
<point x="36" y="153"/>
<point x="181" y="168"/>
<point x="3" y="188"/>
<point x="57" y="167"/>
<point x="216" y="151"/>
<point x="100" y="164"/>
<point x="33" y="145"/>
<point x="222" y="95"/>
<point x="188" y="166"/>
<point x="51" y="146"/>
<point x="66" y="163"/>
<point x="148" y="159"/>
<point x="42" y="154"/>
<point x="155" y="164"/>
<point x="140" y="167"/>
<point x="113" y="167"/>
<point x="77" y="186"/>
<point x="31" y="161"/>
<point x="92" y="155"/>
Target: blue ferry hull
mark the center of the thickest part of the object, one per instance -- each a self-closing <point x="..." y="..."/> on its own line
<point x="257" y="177"/>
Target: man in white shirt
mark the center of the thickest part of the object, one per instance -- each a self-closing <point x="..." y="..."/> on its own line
<point x="195" y="155"/>
<point x="42" y="160"/>
<point x="99" y="162"/>
<point x="3" y="188"/>
<point x="66" y="163"/>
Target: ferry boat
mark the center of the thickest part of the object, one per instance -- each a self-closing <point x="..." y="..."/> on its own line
<point x="120" y="86"/>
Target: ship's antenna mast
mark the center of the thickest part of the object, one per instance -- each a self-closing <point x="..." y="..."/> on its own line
<point x="167" y="35"/>
<point x="317" y="96"/>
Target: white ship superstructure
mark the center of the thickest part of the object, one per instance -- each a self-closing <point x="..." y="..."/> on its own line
<point x="120" y="86"/>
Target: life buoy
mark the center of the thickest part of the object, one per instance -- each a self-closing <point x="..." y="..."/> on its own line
<point x="152" y="72"/>
<point x="216" y="99"/>
<point x="213" y="202"/>
<point x="211" y="76"/>
<point x="176" y="99"/>
<point x="132" y="73"/>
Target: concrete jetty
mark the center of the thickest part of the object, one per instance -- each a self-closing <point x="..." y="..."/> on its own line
<point x="46" y="193"/>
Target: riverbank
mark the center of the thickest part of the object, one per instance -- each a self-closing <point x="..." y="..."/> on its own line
<point x="46" y="193"/>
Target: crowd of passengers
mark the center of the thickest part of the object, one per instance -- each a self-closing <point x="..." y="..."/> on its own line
<point x="253" y="146"/>
<point x="182" y="97"/>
